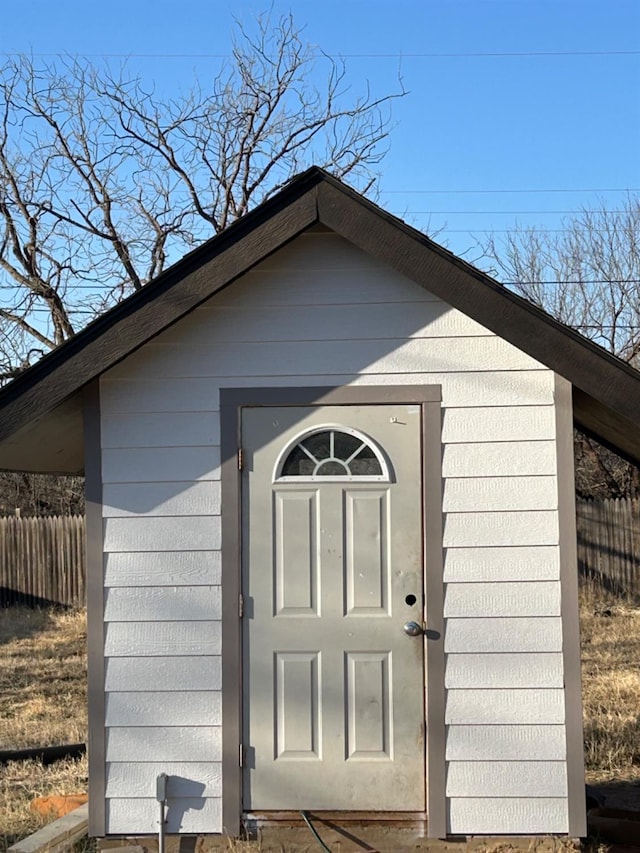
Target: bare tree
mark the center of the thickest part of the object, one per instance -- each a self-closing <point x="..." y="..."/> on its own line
<point x="103" y="183"/>
<point x="40" y="494"/>
<point x="588" y="277"/>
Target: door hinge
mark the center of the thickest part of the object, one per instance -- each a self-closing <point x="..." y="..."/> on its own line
<point x="241" y="605"/>
<point x="240" y="459"/>
<point x="241" y="755"/>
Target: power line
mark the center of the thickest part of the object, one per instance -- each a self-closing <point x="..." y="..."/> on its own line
<point x="396" y="55"/>
<point x="98" y="288"/>
<point x="600" y="326"/>
<point x="504" y="190"/>
<point x="508" y="212"/>
<point x="521" y="282"/>
<point x="482" y="54"/>
<point x="517" y="231"/>
<point x="583" y="281"/>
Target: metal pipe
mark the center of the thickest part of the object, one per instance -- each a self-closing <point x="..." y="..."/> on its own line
<point x="161" y="797"/>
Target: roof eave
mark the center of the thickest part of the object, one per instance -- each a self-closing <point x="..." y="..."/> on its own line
<point x="606" y="390"/>
<point x="157" y="306"/>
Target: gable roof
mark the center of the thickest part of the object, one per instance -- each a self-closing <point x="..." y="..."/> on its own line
<point x="41" y="410"/>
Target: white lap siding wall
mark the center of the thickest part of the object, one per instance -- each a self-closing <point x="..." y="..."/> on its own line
<point x="320" y="312"/>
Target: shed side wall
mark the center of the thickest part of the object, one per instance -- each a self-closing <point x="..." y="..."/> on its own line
<point x="320" y="312"/>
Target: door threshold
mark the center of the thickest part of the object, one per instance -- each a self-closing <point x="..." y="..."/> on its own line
<point x="347" y="831"/>
<point x="294" y="818"/>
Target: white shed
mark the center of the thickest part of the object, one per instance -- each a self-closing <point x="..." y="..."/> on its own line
<point x="331" y="529"/>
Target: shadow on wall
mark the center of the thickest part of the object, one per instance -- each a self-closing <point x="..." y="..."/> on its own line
<point x="319" y="312"/>
<point x="183" y="796"/>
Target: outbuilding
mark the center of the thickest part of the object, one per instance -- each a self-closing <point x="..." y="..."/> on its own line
<point x="331" y="530"/>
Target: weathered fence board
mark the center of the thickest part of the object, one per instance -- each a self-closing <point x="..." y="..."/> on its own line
<point x="609" y="542"/>
<point x="42" y="560"/>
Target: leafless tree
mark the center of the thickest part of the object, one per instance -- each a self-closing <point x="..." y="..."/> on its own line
<point x="103" y="183"/>
<point x="587" y="276"/>
<point x="40" y="494"/>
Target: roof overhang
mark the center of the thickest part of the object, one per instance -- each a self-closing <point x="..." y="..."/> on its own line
<point x="41" y="410"/>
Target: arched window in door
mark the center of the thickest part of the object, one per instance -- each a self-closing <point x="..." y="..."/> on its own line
<point x="334" y="453"/>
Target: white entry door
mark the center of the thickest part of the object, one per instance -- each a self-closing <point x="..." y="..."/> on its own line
<point x="333" y="687"/>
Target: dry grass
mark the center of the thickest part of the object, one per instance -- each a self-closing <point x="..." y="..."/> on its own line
<point x="610" y="634"/>
<point x="43" y="701"/>
<point x="43" y="670"/>
<point x="22" y="781"/>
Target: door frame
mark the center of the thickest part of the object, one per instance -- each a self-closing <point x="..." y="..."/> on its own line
<point x="232" y="401"/>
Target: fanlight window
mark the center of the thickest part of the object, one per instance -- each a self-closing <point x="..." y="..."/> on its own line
<point x="335" y="453"/>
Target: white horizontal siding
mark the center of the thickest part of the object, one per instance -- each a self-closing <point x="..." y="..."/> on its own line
<point x="164" y="743"/>
<point x="120" y="500"/>
<point x="499" y="459"/>
<point x="163" y="569"/>
<point x="506" y="779"/>
<point x="491" y="494"/>
<point x="501" y="564"/>
<point x="367" y="326"/>
<point x="333" y="284"/>
<point x="163" y="674"/>
<point x="159" y="429"/>
<point x="169" y="708"/>
<point x="162" y="639"/>
<point x="505" y="743"/>
<point x="168" y="533"/>
<point x="162" y="604"/>
<point x="494" y="706"/>
<point x="186" y="779"/>
<point x="189" y="815"/>
<point x="490" y="388"/>
<point x="488" y="529"/>
<point x="506" y="423"/>
<point x="158" y="396"/>
<point x="502" y="599"/>
<point x="508" y="816"/>
<point x="160" y="464"/>
<point x="365" y="356"/>
<point x="324" y="251"/>
<point x="526" y="634"/>
<point x="531" y="669"/>
<point x="380" y="321"/>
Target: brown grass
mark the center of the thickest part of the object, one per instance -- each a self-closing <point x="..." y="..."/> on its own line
<point x="22" y="781"/>
<point x="43" y="701"/>
<point x="43" y="671"/>
<point x="610" y="636"/>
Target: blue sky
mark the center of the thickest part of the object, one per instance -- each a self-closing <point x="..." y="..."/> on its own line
<point x="470" y="123"/>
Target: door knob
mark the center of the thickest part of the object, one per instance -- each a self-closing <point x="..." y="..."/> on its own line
<point x="412" y="629"/>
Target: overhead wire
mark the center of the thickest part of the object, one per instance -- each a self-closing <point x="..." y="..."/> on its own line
<point x="394" y="55"/>
<point x="98" y="288"/>
<point x="510" y="212"/>
<point x="509" y="190"/>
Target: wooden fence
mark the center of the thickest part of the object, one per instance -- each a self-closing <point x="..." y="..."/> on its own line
<point x="609" y="542"/>
<point x="42" y="560"/>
